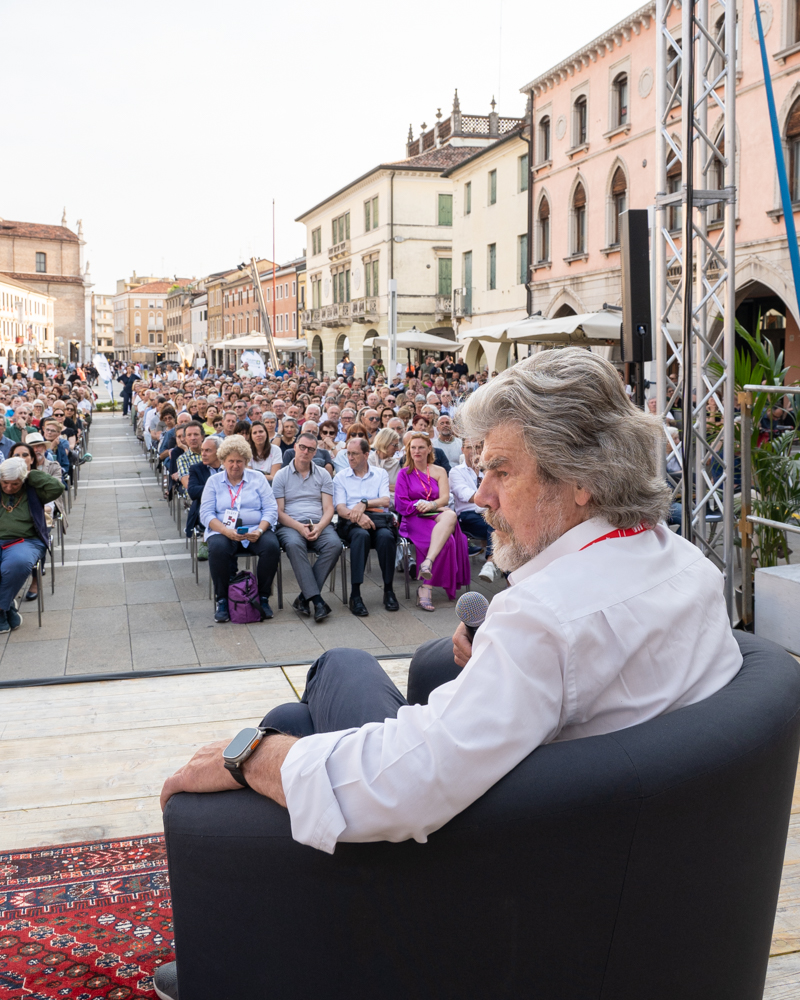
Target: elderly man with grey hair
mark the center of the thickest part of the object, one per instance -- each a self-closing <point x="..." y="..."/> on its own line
<point x="609" y="620"/>
<point x="24" y="535"/>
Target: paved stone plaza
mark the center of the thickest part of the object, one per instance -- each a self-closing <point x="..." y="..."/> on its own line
<point x="126" y="597"/>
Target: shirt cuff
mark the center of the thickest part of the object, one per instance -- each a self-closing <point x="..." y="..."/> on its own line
<point x="314" y="812"/>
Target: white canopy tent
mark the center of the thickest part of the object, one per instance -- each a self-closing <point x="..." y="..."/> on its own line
<point x="603" y="325"/>
<point x="499" y="332"/>
<point x="414" y="340"/>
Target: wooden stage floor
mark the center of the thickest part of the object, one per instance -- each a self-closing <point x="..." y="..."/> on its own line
<point x="86" y="761"/>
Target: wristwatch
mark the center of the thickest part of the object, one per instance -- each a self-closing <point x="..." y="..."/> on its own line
<point x="365" y="501"/>
<point x="240" y="748"/>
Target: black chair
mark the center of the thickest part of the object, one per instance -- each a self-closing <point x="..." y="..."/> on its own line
<point x="644" y="863"/>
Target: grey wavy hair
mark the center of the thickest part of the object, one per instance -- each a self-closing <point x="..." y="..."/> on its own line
<point x="234" y="444"/>
<point x="580" y="427"/>
<point x="12" y="469"/>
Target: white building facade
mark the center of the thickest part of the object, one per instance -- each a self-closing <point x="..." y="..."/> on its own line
<point x="27" y="323"/>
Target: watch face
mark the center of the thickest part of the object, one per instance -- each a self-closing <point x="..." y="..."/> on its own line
<point x="243" y="743"/>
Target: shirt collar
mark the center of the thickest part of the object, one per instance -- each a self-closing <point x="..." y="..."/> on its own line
<point x="351" y="472"/>
<point x="571" y="541"/>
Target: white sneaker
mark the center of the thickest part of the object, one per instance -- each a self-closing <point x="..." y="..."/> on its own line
<point x="488" y="572"/>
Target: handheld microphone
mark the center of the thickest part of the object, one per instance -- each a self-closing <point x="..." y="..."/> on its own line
<point x="471" y="608"/>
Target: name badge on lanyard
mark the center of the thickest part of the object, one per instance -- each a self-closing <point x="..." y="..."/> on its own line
<point x="231" y="515"/>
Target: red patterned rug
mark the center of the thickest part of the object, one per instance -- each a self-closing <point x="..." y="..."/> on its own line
<point x="84" y="921"/>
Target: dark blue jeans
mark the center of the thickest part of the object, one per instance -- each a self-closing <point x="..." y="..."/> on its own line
<point x="346" y="688"/>
<point x="473" y="525"/>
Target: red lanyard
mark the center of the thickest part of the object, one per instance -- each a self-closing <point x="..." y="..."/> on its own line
<point x="619" y="533"/>
<point x="235" y="496"/>
<point x="427" y="490"/>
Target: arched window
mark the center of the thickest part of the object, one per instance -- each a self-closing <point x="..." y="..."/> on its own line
<point x="580" y="122"/>
<point x="579" y="220"/>
<point x="673" y="75"/>
<point x="619" y="203"/>
<point x="716" y="182"/>
<point x="620" y="100"/>
<point x="793" y="149"/>
<point x="674" y="215"/>
<point x="544" y="139"/>
<point x="543" y="242"/>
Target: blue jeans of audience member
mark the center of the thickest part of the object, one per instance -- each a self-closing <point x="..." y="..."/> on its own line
<point x="676" y="515"/>
<point x="346" y="688"/>
<point x="17" y="559"/>
<point x="473" y="524"/>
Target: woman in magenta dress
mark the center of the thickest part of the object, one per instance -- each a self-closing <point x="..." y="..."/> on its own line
<point x="422" y="488"/>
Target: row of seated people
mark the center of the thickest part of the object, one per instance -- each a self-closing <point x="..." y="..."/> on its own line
<point x="304" y="510"/>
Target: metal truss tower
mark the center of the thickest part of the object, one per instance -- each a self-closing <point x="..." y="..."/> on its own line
<point x="694" y="271"/>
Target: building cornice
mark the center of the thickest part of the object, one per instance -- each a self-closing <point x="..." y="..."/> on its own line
<point x="596" y="49"/>
<point x="39" y="278"/>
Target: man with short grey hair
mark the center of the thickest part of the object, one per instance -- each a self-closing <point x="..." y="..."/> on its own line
<point x="610" y="620"/>
<point x="304" y="491"/>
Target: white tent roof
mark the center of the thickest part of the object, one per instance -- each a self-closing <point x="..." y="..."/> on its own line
<point x="498" y="332"/>
<point x="285" y="344"/>
<point x="418" y="341"/>
<point x="603" y="325"/>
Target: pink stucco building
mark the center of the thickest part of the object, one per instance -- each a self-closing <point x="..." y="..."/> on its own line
<point x="593" y="156"/>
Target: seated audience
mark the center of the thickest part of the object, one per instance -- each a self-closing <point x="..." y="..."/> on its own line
<point x="464" y="482"/>
<point x="422" y="495"/>
<point x="385" y="454"/>
<point x="239" y="498"/>
<point x="304" y="493"/>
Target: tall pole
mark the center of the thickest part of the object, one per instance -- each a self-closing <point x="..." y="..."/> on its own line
<point x="274" y="266"/>
<point x="392" y="328"/>
<point x="262" y="308"/>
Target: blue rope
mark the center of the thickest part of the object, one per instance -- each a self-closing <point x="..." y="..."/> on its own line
<point x="783" y="180"/>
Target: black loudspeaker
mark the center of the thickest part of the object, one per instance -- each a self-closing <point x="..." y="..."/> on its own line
<point x="637" y="337"/>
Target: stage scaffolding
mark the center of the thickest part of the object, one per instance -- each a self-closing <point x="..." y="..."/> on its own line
<point x="694" y="262"/>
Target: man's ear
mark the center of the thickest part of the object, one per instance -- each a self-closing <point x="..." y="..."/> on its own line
<point x="581" y="496"/>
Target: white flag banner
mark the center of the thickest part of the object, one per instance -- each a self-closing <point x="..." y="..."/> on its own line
<point x="255" y="363"/>
<point x="101" y="364"/>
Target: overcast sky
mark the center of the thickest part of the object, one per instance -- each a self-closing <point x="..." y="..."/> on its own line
<point x="168" y="127"/>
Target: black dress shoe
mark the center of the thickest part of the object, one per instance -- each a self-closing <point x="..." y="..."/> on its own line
<point x="321" y="610"/>
<point x="390" y="601"/>
<point x="300" y="605"/>
<point x="357" y="607"/>
<point x="32" y="595"/>
<point x="266" y="610"/>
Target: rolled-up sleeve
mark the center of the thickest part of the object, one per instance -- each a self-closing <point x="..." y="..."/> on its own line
<point x="406" y="777"/>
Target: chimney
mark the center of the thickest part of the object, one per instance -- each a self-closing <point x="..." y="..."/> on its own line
<point x="494" y="120"/>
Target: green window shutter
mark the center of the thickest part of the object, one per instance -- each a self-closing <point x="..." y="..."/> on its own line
<point x="445" y="276"/>
<point x="375" y="212"/>
<point x="523" y="259"/>
<point x="347" y="285"/>
<point x="445" y="210"/>
<point x="492" y="187"/>
<point x="375" y="265"/>
<point x="367" y="226"/>
<point x="468" y="198"/>
<point x="492" y="266"/>
<point x="523" y="172"/>
<point x="334" y="232"/>
<point x="368" y="280"/>
<point x="347" y="225"/>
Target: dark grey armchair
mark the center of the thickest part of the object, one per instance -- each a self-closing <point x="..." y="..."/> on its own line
<point x="643" y="864"/>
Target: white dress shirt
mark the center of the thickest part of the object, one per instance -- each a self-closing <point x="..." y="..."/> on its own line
<point x="348" y="488"/>
<point x="463" y="485"/>
<point x="585" y="641"/>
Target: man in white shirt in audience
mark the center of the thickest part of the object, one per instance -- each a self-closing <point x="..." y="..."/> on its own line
<point x="447" y="441"/>
<point x="574" y="647"/>
<point x="464" y="483"/>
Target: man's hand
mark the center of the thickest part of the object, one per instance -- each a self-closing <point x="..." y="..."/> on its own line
<point x="365" y="522"/>
<point x="462" y="646"/>
<point x="205" y="772"/>
<point x="356" y="511"/>
<point x="312" y="532"/>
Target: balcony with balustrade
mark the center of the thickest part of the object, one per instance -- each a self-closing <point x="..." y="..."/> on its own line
<point x="365" y="310"/>
<point x="339" y="250"/>
<point x="443" y="307"/>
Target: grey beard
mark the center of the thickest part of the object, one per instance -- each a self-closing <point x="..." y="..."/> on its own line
<point x="511" y="554"/>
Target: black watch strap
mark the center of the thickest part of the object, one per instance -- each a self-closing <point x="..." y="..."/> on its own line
<point x="237" y="772"/>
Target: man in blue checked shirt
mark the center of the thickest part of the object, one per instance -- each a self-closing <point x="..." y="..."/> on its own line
<point x="238" y="497"/>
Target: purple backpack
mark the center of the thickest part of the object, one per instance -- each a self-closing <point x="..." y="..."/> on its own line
<point x="244" y="605"/>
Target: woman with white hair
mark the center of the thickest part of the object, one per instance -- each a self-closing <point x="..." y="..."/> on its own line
<point x="24" y="535"/>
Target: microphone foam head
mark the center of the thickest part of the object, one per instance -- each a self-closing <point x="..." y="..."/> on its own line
<point x="471" y="608"/>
